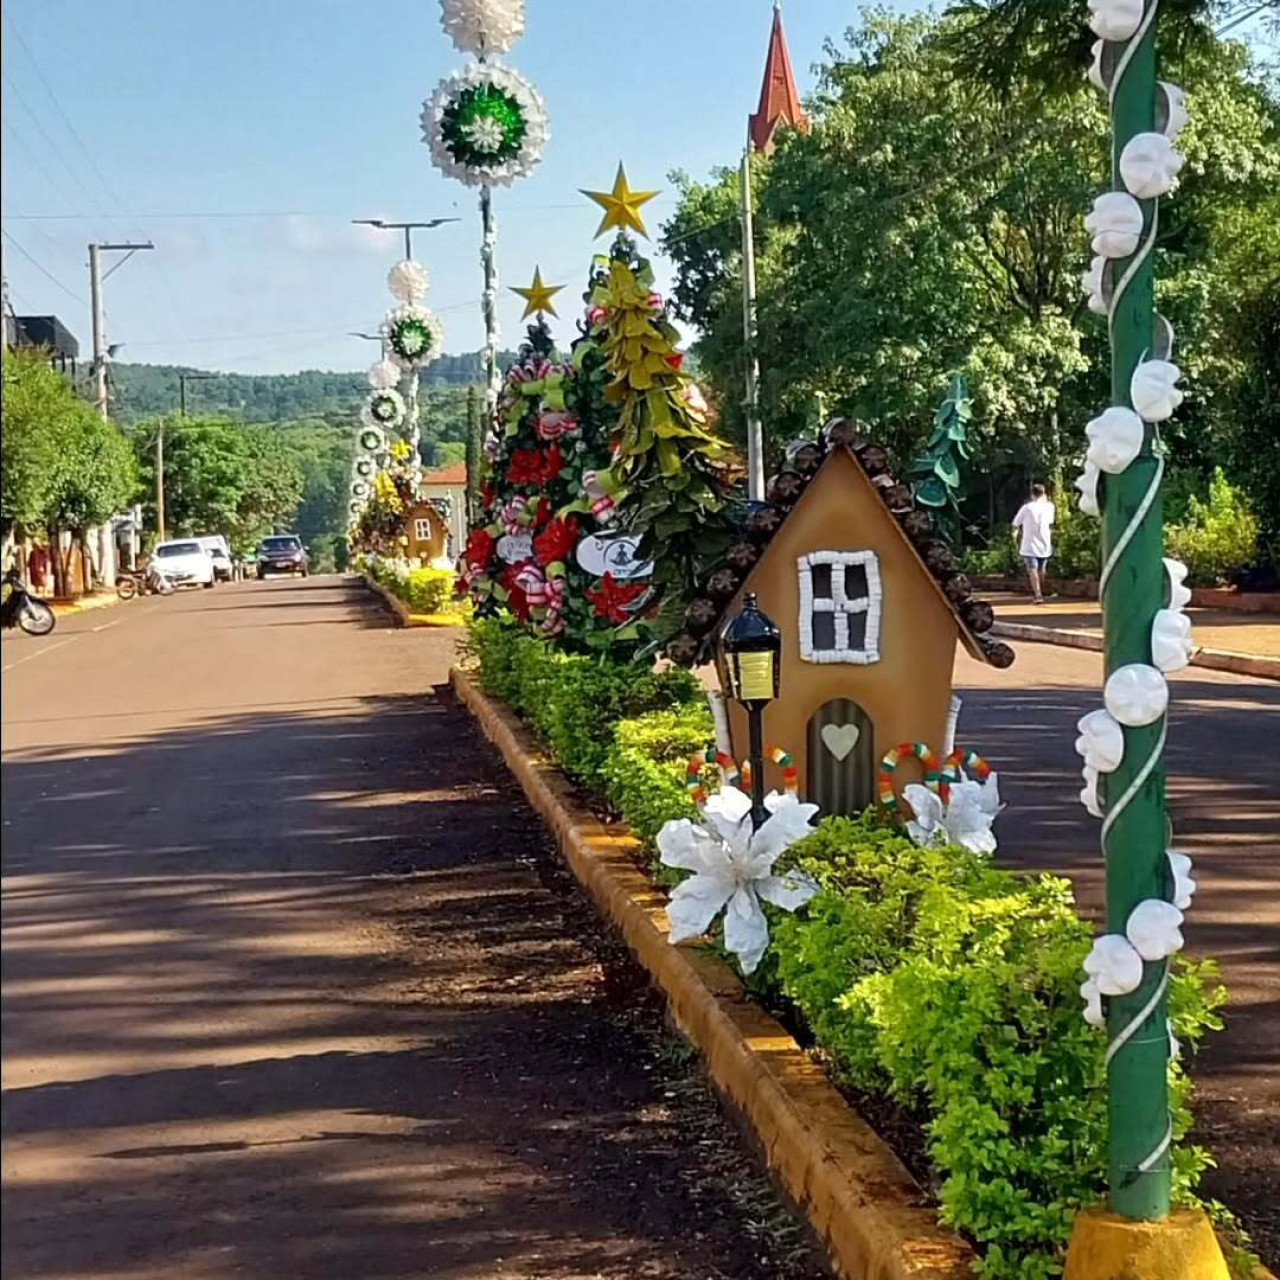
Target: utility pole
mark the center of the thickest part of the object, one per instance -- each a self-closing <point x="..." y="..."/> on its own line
<point x="755" y="433"/>
<point x="98" y="310"/>
<point x="183" y="379"/>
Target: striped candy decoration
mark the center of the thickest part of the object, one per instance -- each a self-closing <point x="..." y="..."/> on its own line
<point x="888" y="766"/>
<point x="779" y="756"/>
<point x="962" y="758"/>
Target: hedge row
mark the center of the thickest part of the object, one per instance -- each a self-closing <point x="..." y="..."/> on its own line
<point x="928" y="977"/>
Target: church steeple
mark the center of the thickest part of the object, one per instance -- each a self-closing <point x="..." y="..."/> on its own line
<point x="779" y="99"/>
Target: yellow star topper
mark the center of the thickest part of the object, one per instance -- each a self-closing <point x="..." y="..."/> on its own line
<point x="621" y="205"/>
<point x="537" y="297"/>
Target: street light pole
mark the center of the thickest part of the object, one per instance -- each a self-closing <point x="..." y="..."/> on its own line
<point x="411" y="398"/>
<point x="98" y="315"/>
<point x="755" y="433"/>
<point x="183" y="379"/>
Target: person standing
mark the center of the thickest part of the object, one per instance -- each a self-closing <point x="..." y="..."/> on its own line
<point x="38" y="566"/>
<point x="1034" y="521"/>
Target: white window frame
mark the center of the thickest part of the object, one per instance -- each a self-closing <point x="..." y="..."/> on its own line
<point x="422" y="529"/>
<point x="841" y="606"/>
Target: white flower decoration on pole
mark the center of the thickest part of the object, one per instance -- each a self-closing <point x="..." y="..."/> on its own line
<point x="1155" y="929"/>
<point x="1115" y="438"/>
<point x="1171" y="112"/>
<point x="1101" y="741"/>
<point x="1136" y="694"/>
<point x="965" y="820"/>
<point x="1154" y="390"/>
<point x="1089" y="792"/>
<point x="1149" y="165"/>
<point x="1171" y="643"/>
<point x="1097" y="71"/>
<point x="1115" y="19"/>
<point x="385" y="407"/>
<point x="1115" y="223"/>
<point x="1179" y="592"/>
<point x="1087" y="483"/>
<point x="408" y="281"/>
<point x="482" y="26"/>
<point x="1114" y="968"/>
<point x="733" y="869"/>
<point x="1184" y="885"/>
<point x="1094" y="283"/>
<point x="384" y="374"/>
<point x="414" y="335"/>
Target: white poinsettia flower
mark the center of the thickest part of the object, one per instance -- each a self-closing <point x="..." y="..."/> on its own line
<point x="1149" y="165"/>
<point x="1089" y="792"/>
<point x="1114" y="965"/>
<point x="1115" y="19"/>
<point x="965" y="819"/>
<point x="1094" y="284"/>
<point x="1171" y="643"/>
<point x="1101" y="740"/>
<point x="408" y="281"/>
<point x="1115" y="223"/>
<point x="1179" y="592"/>
<point x="482" y="26"/>
<point x="1155" y="929"/>
<point x="1171" y="111"/>
<point x="1136" y="694"/>
<point x="733" y="869"/>
<point x="1115" y="439"/>
<point x="1087" y="484"/>
<point x="1154" y="389"/>
<point x="1184" y="885"/>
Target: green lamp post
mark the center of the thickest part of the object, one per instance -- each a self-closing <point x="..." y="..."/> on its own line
<point x="1145" y="638"/>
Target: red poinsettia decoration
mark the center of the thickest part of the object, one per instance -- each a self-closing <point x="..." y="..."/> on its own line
<point x="517" y="600"/>
<point x="610" y="598"/>
<point x="535" y="467"/>
<point x="480" y="545"/>
<point x="556" y="540"/>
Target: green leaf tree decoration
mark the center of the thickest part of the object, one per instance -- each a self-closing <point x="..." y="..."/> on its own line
<point x="935" y="471"/>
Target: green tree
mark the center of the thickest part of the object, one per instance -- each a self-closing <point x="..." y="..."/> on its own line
<point x="38" y="406"/>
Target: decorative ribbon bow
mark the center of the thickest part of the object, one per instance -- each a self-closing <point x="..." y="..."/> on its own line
<point x="515" y="514"/>
<point x="535" y="587"/>
<point x="551" y="426"/>
<point x="600" y="488"/>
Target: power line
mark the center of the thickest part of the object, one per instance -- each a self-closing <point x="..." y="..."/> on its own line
<point x="43" y="270"/>
<point x="55" y="183"/>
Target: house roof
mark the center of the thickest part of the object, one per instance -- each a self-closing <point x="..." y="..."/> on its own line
<point x="914" y="524"/>
<point x="454" y="474"/>
<point x="779" y="98"/>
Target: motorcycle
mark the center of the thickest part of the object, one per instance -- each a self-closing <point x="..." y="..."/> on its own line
<point x="22" y="609"/>
<point x="141" y="582"/>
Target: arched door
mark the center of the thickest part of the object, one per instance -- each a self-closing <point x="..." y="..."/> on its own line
<point x="841" y="758"/>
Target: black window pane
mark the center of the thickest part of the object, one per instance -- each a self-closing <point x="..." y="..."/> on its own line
<point x="857" y="630"/>
<point x="822" y="581"/>
<point x="824" y="630"/>
<point x="855" y="581"/>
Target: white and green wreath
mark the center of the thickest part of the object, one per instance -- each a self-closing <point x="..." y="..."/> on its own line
<point x="486" y="125"/>
<point x="414" y="335"/>
<point x="372" y="439"/>
<point x="384" y="408"/>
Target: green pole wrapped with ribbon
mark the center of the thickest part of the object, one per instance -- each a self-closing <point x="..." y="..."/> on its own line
<point x="1146" y="636"/>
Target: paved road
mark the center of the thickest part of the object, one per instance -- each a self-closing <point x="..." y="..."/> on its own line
<point x="1224" y="795"/>
<point x="293" y="988"/>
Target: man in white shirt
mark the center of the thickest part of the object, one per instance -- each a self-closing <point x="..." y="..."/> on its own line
<point x="1035" y="521"/>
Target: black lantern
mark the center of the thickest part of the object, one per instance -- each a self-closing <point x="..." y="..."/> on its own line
<point x="750" y="661"/>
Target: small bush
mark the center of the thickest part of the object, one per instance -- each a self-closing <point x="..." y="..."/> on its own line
<point x="1218" y="537"/>
<point x="423" y="589"/>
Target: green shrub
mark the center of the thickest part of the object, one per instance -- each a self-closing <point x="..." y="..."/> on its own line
<point x="423" y="589"/>
<point x="951" y="986"/>
<point x="1077" y="543"/>
<point x="1217" y="537"/>
<point x="644" y="772"/>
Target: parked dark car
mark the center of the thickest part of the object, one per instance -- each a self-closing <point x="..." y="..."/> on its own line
<point x="282" y="553"/>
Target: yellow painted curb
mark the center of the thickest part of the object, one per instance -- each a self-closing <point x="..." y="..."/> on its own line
<point x="859" y="1198"/>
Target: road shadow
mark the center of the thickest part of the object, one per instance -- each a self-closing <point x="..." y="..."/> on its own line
<point x="303" y="1006"/>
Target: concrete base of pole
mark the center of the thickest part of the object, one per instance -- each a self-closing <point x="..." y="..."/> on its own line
<point x="1182" y="1246"/>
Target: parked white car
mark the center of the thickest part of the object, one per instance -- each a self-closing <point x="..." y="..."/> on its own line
<point x="216" y="545"/>
<point x="185" y="562"/>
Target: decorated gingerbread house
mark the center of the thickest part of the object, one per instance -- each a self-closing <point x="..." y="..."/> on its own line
<point x="426" y="531"/>
<point x="871" y="605"/>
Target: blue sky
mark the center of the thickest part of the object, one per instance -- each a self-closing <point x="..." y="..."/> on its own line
<point x="308" y="112"/>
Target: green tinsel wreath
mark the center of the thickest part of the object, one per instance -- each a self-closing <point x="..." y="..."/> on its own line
<point x="469" y="112"/>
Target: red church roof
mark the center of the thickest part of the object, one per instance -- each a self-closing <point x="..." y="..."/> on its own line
<point x="779" y="99"/>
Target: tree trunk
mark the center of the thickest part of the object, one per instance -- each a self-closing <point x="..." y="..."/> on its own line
<point x="60" y="562"/>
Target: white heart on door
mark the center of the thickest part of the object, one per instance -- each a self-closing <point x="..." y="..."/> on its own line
<point x="840" y="739"/>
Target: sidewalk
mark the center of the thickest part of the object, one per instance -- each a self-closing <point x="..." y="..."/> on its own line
<point x="1247" y="643"/>
<point x="95" y="600"/>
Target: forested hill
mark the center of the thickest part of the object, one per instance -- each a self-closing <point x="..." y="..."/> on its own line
<point x="143" y="390"/>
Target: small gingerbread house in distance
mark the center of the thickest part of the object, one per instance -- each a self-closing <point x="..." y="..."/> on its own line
<point x="871" y="606"/>
<point x="426" y="531"/>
